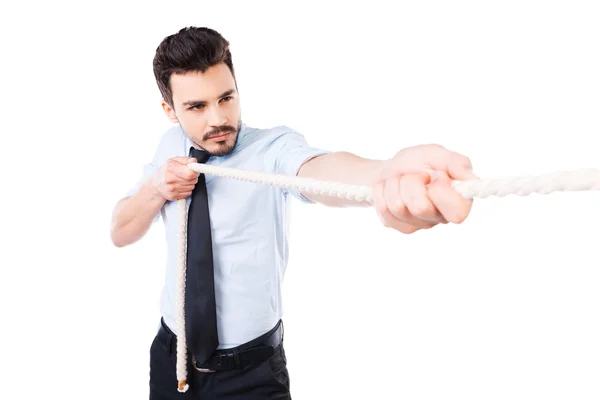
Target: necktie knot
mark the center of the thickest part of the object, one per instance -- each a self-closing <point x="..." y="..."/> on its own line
<point x="201" y="155"/>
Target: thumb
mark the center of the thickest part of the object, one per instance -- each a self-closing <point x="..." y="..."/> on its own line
<point x="185" y="160"/>
<point x="461" y="172"/>
<point x="437" y="176"/>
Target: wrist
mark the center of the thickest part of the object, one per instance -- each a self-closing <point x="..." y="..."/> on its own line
<point x="151" y="188"/>
<point x="378" y="172"/>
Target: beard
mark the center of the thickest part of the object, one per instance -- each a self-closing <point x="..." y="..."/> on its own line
<point x="222" y="148"/>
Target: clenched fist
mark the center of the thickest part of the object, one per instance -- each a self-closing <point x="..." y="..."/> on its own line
<point x="174" y="180"/>
<point x="415" y="190"/>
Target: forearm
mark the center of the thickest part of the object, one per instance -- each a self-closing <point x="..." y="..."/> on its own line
<point x="341" y="167"/>
<point x="133" y="216"/>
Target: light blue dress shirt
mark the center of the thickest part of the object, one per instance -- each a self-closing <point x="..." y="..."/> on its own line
<point x="249" y="229"/>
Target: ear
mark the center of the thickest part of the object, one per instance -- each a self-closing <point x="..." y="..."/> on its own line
<point x="170" y="112"/>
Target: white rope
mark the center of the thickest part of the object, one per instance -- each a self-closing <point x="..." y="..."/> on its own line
<point x="576" y="180"/>
<point x="334" y="189"/>
<point x="182" y="386"/>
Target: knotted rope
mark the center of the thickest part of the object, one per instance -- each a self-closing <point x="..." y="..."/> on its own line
<point x="576" y="180"/>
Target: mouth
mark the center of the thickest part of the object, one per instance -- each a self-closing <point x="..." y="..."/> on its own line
<point x="220" y="138"/>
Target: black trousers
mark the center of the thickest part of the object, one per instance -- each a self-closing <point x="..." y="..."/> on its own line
<point x="267" y="380"/>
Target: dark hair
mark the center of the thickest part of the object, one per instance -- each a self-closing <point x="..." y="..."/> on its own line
<point x="190" y="49"/>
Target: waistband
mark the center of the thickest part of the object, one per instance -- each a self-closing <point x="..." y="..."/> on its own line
<point x="246" y="354"/>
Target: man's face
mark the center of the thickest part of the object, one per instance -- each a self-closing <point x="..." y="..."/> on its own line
<point x="207" y="107"/>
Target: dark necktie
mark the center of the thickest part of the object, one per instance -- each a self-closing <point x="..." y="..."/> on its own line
<point x="200" y="308"/>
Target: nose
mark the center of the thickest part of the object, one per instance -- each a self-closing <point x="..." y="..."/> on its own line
<point x="217" y="117"/>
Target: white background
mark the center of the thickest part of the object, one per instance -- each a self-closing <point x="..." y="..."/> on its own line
<point x="504" y="306"/>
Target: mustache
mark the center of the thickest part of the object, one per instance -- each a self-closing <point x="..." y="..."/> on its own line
<point x="219" y="131"/>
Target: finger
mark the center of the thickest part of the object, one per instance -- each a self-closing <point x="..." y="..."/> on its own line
<point x="415" y="160"/>
<point x="185" y="188"/>
<point x="184" y="194"/>
<point x="397" y="207"/>
<point x="439" y="158"/>
<point x="393" y="201"/>
<point x="184" y="172"/>
<point x="460" y="167"/>
<point x="185" y="182"/>
<point x="453" y="207"/>
<point x="413" y="191"/>
<point x="385" y="215"/>
<point x="184" y="160"/>
<point x="173" y="178"/>
<point x="404" y="227"/>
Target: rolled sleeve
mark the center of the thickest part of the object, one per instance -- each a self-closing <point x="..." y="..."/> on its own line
<point x="147" y="170"/>
<point x="287" y="153"/>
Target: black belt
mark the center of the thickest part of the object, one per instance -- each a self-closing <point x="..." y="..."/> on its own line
<point x="248" y="354"/>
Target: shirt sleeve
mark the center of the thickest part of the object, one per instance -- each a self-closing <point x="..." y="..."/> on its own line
<point x="287" y="152"/>
<point x="147" y="170"/>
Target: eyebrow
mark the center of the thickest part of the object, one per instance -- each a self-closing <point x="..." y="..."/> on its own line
<point x="195" y="103"/>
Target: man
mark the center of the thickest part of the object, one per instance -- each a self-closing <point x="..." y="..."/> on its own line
<point x="237" y="251"/>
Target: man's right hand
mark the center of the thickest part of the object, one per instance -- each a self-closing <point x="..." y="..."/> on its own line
<point x="174" y="180"/>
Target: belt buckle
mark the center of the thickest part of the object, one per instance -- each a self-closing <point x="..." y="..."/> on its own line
<point x="200" y="369"/>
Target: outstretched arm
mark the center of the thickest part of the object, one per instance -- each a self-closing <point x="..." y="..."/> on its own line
<point x="411" y="191"/>
<point x="341" y="167"/>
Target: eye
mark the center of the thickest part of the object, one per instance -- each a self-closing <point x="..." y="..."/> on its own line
<point x="198" y="107"/>
<point x="227" y="98"/>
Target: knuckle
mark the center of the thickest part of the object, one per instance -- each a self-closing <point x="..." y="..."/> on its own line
<point x="400" y="208"/>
